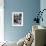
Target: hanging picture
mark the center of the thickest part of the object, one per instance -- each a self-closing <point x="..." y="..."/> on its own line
<point x="17" y="18"/>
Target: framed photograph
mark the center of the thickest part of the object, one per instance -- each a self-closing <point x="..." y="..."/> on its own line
<point x="17" y="18"/>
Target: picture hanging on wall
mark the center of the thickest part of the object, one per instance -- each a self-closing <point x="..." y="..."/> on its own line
<point x="17" y="18"/>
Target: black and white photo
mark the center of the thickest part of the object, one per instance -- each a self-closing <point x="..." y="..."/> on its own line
<point x="17" y="18"/>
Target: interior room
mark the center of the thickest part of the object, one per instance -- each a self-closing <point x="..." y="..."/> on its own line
<point x="22" y="23"/>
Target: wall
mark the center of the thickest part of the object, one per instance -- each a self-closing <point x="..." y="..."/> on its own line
<point x="1" y="20"/>
<point x="43" y="6"/>
<point x="29" y="8"/>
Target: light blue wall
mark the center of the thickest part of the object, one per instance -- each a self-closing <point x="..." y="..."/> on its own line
<point x="28" y="7"/>
<point x="43" y="6"/>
